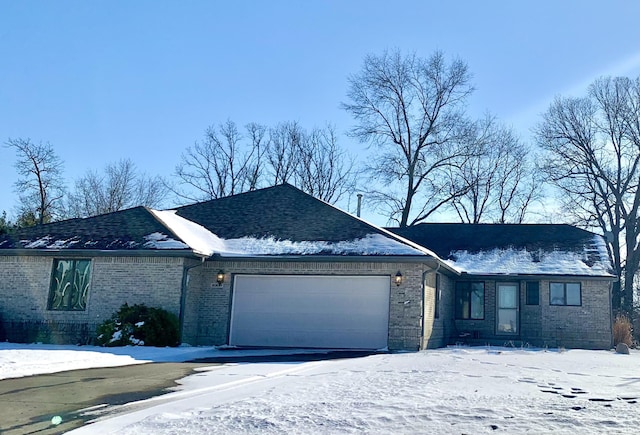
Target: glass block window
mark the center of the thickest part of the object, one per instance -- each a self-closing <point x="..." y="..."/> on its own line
<point x="69" y="285"/>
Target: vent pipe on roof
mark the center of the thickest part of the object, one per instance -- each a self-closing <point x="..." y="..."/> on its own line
<point x="359" y="204"/>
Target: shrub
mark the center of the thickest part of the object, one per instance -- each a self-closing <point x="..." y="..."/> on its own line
<point x="622" y="330"/>
<point x="139" y="325"/>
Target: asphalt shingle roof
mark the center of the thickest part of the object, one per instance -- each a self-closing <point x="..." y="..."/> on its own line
<point x="279" y="213"/>
<point x="282" y="212"/>
<point x="444" y="238"/>
<point x="126" y="229"/>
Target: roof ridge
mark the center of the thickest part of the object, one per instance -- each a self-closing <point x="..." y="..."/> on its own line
<point x="235" y="195"/>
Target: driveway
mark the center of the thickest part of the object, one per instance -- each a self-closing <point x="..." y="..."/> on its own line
<point x="30" y="404"/>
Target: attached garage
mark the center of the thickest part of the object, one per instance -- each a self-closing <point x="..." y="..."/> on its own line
<point x="310" y="311"/>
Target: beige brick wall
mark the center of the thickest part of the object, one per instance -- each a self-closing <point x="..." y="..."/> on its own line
<point x="25" y="283"/>
<point x="153" y="281"/>
<point x="587" y="326"/>
<point x="157" y="281"/>
<point x="214" y="303"/>
<point x="437" y="331"/>
<point x="24" y="287"/>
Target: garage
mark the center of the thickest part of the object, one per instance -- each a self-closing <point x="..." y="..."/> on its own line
<point x="319" y="311"/>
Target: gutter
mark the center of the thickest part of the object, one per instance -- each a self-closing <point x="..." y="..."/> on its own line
<point x="432" y="262"/>
<point x="507" y="276"/>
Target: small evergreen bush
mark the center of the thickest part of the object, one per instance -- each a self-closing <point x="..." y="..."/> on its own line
<point x="139" y="325"/>
<point x="622" y="330"/>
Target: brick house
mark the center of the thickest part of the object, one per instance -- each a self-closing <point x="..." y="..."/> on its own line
<point x="278" y="268"/>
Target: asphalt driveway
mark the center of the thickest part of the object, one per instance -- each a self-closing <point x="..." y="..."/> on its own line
<point x="32" y="405"/>
<point x="59" y="402"/>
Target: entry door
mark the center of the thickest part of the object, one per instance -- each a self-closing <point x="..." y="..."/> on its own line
<point x="508" y="307"/>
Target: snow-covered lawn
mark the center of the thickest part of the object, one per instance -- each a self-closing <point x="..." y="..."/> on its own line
<point x="448" y="391"/>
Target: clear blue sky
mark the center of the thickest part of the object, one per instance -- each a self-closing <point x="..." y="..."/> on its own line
<point x="105" y="80"/>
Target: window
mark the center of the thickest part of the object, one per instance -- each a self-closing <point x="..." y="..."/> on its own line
<point x="437" y="297"/>
<point x="470" y="300"/>
<point x="533" y="293"/>
<point x="69" y="285"/>
<point x="565" y="293"/>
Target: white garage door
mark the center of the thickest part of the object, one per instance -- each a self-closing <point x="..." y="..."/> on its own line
<point x="338" y="312"/>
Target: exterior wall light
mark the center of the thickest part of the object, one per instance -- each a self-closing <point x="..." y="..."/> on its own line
<point x="398" y="278"/>
<point x="220" y="277"/>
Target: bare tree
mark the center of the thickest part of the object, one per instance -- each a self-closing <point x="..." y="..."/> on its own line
<point x="259" y="143"/>
<point x="496" y="177"/>
<point x="40" y="187"/>
<point x="121" y="186"/>
<point x="226" y="163"/>
<point x="411" y="109"/>
<point x="221" y="164"/>
<point x="593" y="158"/>
<point x="285" y="141"/>
<point x="324" y="170"/>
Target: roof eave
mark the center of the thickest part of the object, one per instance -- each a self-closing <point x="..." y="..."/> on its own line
<point x="432" y="262"/>
<point x="607" y="277"/>
<point x="24" y="252"/>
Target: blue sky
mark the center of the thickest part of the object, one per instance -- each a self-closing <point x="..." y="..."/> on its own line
<point x="105" y="80"/>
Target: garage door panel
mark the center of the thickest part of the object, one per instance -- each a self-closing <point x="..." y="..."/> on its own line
<point x="310" y="311"/>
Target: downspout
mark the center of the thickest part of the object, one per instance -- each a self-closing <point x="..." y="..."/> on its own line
<point x="424" y="292"/>
<point x="183" y="291"/>
<point x="611" y="319"/>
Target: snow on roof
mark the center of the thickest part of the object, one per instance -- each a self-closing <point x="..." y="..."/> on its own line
<point x="196" y="237"/>
<point x="372" y="244"/>
<point x="204" y="242"/>
<point x="523" y="262"/>
<point x="389" y="234"/>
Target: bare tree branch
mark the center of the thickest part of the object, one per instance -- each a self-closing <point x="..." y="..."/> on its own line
<point x="120" y="186"/>
<point x="496" y="180"/>
<point x="40" y="187"/>
<point x="593" y="158"/>
<point x="412" y="109"/>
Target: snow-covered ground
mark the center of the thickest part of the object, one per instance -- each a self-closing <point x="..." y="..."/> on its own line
<point x="448" y="391"/>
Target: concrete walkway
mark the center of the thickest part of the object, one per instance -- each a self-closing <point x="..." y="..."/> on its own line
<point x="32" y="405"/>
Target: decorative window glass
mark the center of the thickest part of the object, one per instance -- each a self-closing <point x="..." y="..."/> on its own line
<point x="533" y="293"/>
<point x="69" y="285"/>
<point x="565" y="293"/>
<point x="470" y="300"/>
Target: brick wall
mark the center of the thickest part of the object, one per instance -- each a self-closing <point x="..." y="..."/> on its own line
<point x="437" y="331"/>
<point x="587" y="326"/>
<point x="25" y="283"/>
<point x="157" y="282"/>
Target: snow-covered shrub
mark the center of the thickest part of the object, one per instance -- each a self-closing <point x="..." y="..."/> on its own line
<point x="139" y="325"/>
<point x="622" y="330"/>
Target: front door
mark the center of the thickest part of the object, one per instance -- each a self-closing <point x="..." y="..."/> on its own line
<point x="508" y="307"/>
